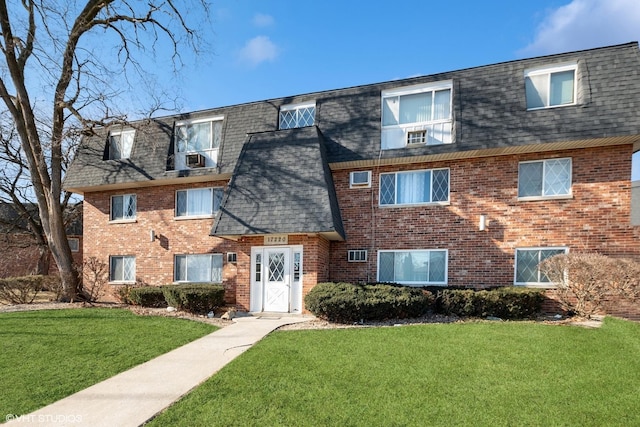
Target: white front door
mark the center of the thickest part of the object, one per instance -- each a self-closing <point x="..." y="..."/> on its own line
<point x="277" y="281"/>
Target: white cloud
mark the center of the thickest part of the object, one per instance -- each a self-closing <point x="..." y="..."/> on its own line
<point x="263" y="20"/>
<point x="259" y="49"/>
<point x="584" y="24"/>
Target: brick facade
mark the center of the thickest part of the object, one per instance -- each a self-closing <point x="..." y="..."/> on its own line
<point x="595" y="218"/>
<point x="295" y="182"/>
<point x="315" y="264"/>
<point x="174" y="236"/>
<point x="20" y="255"/>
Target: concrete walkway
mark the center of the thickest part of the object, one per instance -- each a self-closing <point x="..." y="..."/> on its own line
<point x="136" y="395"/>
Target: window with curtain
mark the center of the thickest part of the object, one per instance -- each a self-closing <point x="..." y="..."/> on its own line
<point x="550" y="87"/>
<point x="199" y="136"/>
<point x="205" y="268"/>
<point x="418" y="114"/>
<point x="414" y="187"/>
<point x="544" y="178"/>
<point x="416" y="108"/>
<point x="121" y="144"/>
<point x="123" y="207"/>
<point x="413" y="267"/>
<point x="122" y="269"/>
<point x="202" y="137"/>
<point x="198" y="202"/>
<point x="528" y="265"/>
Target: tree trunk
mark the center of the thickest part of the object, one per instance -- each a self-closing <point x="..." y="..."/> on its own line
<point x="44" y="260"/>
<point x="53" y="225"/>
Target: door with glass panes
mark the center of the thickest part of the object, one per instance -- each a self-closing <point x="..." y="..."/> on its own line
<point x="276" y="284"/>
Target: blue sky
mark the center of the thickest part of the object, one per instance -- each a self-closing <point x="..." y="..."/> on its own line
<point x="273" y="48"/>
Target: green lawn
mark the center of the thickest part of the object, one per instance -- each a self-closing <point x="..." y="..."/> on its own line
<point x="471" y="374"/>
<point x="47" y="355"/>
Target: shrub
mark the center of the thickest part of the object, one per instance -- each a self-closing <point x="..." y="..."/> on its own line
<point x="52" y="283"/>
<point x="584" y="281"/>
<point x="20" y="290"/>
<point x="194" y="298"/>
<point x="147" y="296"/>
<point x="345" y="302"/>
<point x="505" y="303"/>
<point x="456" y="301"/>
<point x="123" y="293"/>
<point x="94" y="275"/>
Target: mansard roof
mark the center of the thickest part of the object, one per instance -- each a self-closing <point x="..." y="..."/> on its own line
<point x="489" y="117"/>
<point x="281" y="184"/>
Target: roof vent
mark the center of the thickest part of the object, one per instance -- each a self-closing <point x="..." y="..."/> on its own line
<point x="195" y="160"/>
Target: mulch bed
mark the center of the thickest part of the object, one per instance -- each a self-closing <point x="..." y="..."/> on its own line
<point x="313" y="323"/>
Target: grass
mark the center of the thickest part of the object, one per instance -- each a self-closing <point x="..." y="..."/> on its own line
<point x="472" y="374"/>
<point x="50" y="354"/>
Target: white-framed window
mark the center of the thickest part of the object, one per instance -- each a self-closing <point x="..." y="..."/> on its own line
<point x="413" y="267"/>
<point x="257" y="273"/>
<point x="551" y="86"/>
<point x="544" y="178"/>
<point x="527" y="265"/>
<point x="201" y="136"/>
<point x="204" y="268"/>
<point x="414" y="187"/>
<point x="360" y="179"/>
<point x="297" y="266"/>
<point x="417" y="115"/>
<point x="121" y="144"/>
<point x="198" y="202"/>
<point x="232" y="257"/>
<point x="122" y="268"/>
<point x="357" y="255"/>
<point x="74" y="244"/>
<point x="123" y="207"/>
<point x="297" y="115"/>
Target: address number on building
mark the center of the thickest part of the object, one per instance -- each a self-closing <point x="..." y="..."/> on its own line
<point x="276" y="239"/>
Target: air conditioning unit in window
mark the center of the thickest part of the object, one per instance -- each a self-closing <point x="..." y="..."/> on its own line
<point x="416" y="136"/>
<point x="195" y="160"/>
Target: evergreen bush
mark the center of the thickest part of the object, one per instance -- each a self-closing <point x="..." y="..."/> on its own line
<point x="346" y="302"/>
<point x="194" y="298"/>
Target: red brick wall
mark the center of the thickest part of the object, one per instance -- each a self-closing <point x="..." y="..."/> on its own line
<point x="20" y="255"/>
<point x="155" y="211"/>
<point x="155" y="260"/>
<point x="315" y="264"/>
<point x="596" y="218"/>
<point x="613" y="305"/>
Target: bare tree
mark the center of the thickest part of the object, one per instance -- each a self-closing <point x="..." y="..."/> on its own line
<point x="586" y="281"/>
<point x="19" y="211"/>
<point x="64" y="68"/>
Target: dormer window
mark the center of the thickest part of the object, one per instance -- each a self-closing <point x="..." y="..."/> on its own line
<point x="416" y="115"/>
<point x="198" y="143"/>
<point x="120" y="144"/>
<point x="550" y="86"/>
<point x="297" y="115"/>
